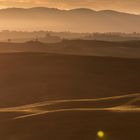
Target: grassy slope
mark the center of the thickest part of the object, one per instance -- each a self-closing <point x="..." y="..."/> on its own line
<point x="32" y="77"/>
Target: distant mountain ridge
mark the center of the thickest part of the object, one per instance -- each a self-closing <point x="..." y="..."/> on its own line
<point x="75" y="20"/>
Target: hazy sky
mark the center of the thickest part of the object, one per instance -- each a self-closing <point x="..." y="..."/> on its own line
<point x="120" y="5"/>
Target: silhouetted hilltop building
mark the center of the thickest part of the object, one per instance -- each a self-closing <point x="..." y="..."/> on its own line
<point x="35" y="42"/>
<point x="50" y="39"/>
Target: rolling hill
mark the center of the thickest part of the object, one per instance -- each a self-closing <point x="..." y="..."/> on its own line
<point x="76" y="20"/>
<point x="55" y="96"/>
<point x="59" y="97"/>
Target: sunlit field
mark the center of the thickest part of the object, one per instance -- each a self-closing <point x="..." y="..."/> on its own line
<point x="69" y="70"/>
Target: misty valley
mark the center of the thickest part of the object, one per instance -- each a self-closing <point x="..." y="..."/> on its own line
<point x="69" y="73"/>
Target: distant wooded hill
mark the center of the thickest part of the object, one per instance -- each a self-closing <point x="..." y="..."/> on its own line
<point x="76" y="20"/>
<point x="125" y="49"/>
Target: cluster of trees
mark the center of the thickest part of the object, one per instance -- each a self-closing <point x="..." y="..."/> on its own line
<point x="50" y="37"/>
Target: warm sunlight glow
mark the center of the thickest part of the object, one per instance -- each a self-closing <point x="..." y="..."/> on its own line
<point x="100" y="134"/>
